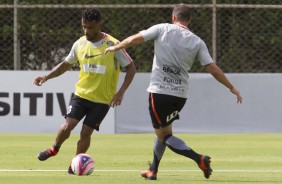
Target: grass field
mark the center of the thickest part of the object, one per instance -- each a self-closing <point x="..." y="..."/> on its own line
<point x="236" y="158"/>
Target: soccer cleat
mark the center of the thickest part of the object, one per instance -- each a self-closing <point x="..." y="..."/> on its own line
<point x="70" y="171"/>
<point x="44" y="155"/>
<point x="149" y="175"/>
<point x="204" y="165"/>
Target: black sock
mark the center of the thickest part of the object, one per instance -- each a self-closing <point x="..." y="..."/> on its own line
<point x="159" y="149"/>
<point x="56" y="148"/>
<point x="178" y="146"/>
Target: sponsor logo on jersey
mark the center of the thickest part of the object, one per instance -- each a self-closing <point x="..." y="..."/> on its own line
<point x="173" y="81"/>
<point x="92" y="68"/>
<point x="91" y="56"/>
<point x="172" y="70"/>
<point x="110" y="43"/>
<point x="168" y="88"/>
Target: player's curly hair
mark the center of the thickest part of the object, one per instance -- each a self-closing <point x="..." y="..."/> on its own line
<point x="91" y="14"/>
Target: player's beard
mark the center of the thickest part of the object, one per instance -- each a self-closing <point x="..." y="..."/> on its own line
<point x="89" y="37"/>
<point x="93" y="37"/>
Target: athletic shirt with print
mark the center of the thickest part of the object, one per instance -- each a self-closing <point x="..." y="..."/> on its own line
<point x="176" y="49"/>
<point x="99" y="73"/>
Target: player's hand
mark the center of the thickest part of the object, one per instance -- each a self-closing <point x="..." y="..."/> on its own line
<point x="110" y="49"/>
<point x="117" y="99"/>
<point x="39" y="80"/>
<point x="237" y="93"/>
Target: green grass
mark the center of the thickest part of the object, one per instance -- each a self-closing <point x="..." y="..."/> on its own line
<point x="253" y="158"/>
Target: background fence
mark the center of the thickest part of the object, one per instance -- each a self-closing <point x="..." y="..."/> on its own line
<point x="243" y="36"/>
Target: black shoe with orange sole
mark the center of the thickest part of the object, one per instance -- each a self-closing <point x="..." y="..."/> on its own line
<point x="70" y="171"/>
<point x="204" y="165"/>
<point x="149" y="175"/>
<point x="44" y="155"/>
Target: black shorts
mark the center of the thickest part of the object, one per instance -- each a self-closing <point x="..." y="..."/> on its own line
<point x="94" y="112"/>
<point x="164" y="109"/>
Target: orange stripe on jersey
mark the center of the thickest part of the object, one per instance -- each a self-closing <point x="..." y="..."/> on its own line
<point x="104" y="35"/>
<point x="126" y="55"/>
<point x="154" y="110"/>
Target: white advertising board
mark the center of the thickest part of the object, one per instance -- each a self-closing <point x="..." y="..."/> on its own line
<point x="27" y="108"/>
<point x="211" y="108"/>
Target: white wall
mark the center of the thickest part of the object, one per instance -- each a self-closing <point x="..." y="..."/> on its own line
<point x="211" y="107"/>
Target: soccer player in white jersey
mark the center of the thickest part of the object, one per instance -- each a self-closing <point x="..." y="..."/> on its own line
<point x="95" y="90"/>
<point x="176" y="48"/>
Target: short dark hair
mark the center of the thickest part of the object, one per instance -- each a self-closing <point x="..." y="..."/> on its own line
<point x="91" y="14"/>
<point x="182" y="12"/>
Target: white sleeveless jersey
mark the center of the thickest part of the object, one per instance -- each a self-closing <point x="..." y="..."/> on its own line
<point x="176" y="49"/>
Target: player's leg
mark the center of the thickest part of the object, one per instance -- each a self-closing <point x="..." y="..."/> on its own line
<point x="65" y="131"/>
<point x="164" y="109"/>
<point x="85" y="139"/>
<point x="158" y="151"/>
<point x="76" y="111"/>
<point x="159" y="147"/>
<point x="83" y="143"/>
<point x="178" y="146"/>
<point x="63" y="134"/>
<point x="94" y="117"/>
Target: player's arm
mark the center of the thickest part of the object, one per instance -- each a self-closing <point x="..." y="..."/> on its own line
<point x="130" y="72"/>
<point x="57" y="71"/>
<point x="145" y="35"/>
<point x="126" y="62"/>
<point x="204" y="57"/>
<point x="60" y="68"/>
<point x="218" y="74"/>
<point x="128" y="42"/>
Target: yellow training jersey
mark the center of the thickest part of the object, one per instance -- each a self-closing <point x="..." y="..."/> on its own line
<point x="99" y="73"/>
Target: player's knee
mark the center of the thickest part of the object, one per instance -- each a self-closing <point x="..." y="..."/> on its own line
<point x="166" y="137"/>
<point x="86" y="131"/>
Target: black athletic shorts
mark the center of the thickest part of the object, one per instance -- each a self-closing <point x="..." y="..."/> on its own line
<point x="164" y="109"/>
<point x="94" y="112"/>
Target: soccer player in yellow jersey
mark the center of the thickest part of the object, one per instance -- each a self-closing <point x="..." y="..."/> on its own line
<point x="96" y="88"/>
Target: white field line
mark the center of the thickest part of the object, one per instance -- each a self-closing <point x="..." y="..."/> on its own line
<point x="226" y="171"/>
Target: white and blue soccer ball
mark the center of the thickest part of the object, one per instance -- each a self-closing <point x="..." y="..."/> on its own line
<point x="82" y="164"/>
